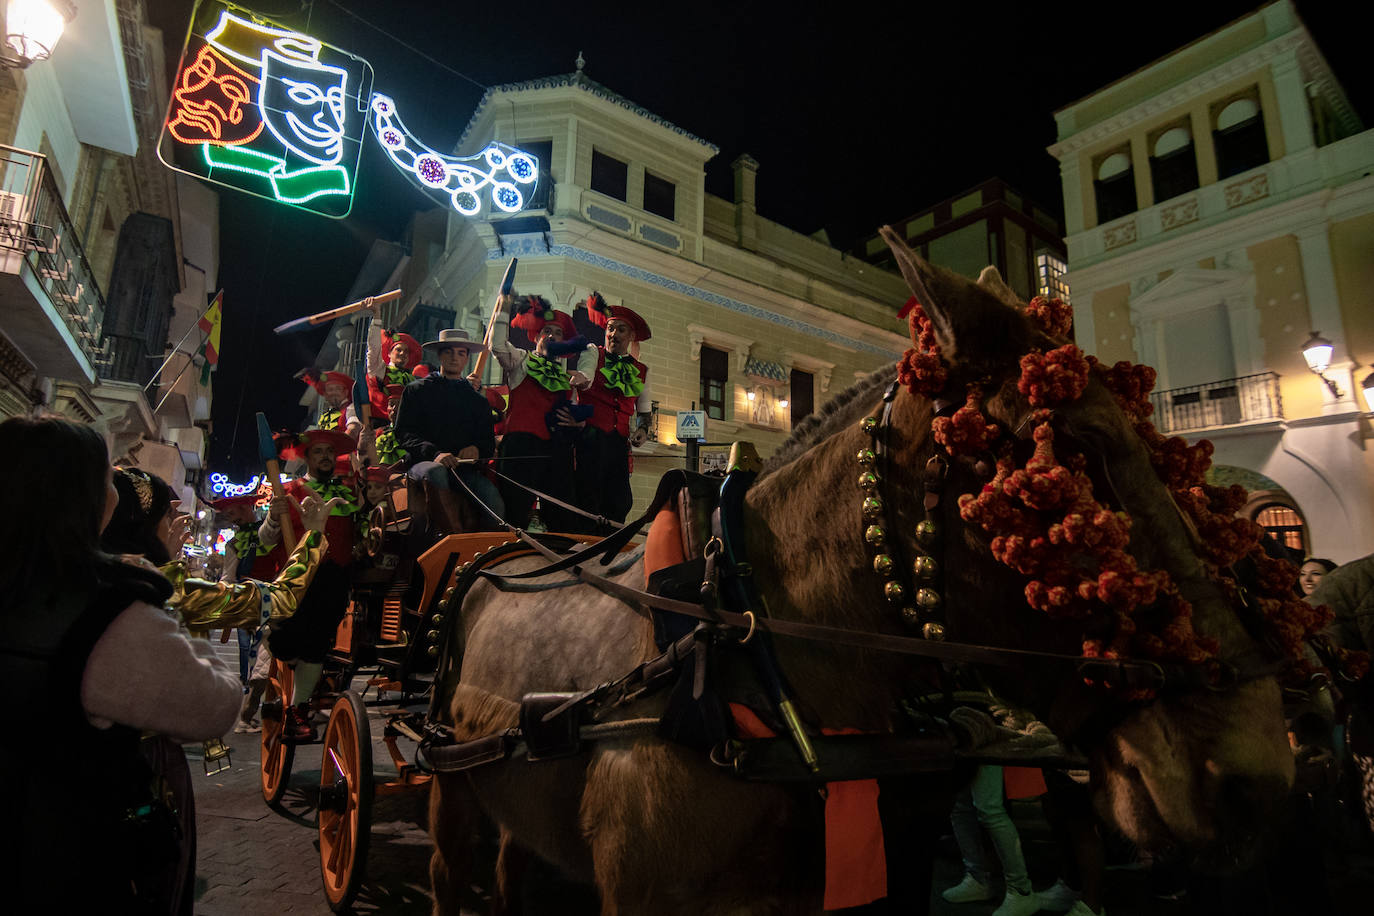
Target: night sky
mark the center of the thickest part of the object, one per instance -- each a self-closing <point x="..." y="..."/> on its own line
<point x="856" y="120"/>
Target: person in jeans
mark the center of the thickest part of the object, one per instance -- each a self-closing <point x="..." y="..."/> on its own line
<point x="980" y="805"/>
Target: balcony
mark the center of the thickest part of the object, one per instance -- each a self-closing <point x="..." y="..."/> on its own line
<point x="1228" y="402"/>
<point x="51" y="305"/>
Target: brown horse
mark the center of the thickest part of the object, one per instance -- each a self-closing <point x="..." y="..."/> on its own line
<point x="657" y="829"/>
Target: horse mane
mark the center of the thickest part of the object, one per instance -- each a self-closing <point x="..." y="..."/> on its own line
<point x="837" y="412"/>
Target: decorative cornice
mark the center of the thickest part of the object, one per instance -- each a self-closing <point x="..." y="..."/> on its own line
<point x="581" y="81"/>
<point x="1172" y="98"/>
<point x="535" y="247"/>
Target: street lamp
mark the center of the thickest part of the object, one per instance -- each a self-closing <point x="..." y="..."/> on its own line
<point x="1317" y="352"/>
<point x="32" y="29"/>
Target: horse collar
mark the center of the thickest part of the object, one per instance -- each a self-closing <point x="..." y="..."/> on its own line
<point x="922" y="606"/>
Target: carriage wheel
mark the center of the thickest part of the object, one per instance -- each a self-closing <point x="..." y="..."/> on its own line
<point x="345" y="800"/>
<point x="277" y="755"/>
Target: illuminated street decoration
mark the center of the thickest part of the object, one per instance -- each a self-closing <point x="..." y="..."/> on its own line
<point x="267" y="110"/>
<point x="221" y="485"/>
<point x="496" y="174"/>
<point x="271" y="111"/>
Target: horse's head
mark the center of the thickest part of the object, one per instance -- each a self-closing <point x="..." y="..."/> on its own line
<point x="1071" y="527"/>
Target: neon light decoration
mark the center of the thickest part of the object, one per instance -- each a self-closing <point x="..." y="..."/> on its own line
<point x="220" y="485"/>
<point x="496" y="174"/>
<point x="270" y="111"/>
<point x="267" y="110"/>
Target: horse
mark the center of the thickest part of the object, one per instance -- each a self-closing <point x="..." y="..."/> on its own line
<point x="656" y="828"/>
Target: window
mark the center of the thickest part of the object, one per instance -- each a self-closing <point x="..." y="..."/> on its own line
<point x="660" y="196"/>
<point x="1239" y="137"/>
<point x="1283" y="524"/>
<point x="1114" y="186"/>
<point x="802" y="395"/>
<point x="1173" y="165"/>
<point x="610" y="176"/>
<point x="715" y="370"/>
<point x="1050" y="269"/>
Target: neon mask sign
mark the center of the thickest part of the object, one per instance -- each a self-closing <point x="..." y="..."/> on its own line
<point x="270" y="111"/>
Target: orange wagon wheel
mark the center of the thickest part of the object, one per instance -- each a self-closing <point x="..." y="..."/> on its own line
<point x="277" y="755"/>
<point x="346" y="790"/>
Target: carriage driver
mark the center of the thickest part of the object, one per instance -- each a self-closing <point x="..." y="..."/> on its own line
<point x="446" y="428"/>
<point x="307" y="636"/>
<point x="618" y="392"/>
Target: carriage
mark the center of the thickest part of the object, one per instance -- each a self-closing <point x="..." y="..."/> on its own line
<point x="1138" y="645"/>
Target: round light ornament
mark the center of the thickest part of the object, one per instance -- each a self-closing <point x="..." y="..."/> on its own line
<point x="927" y="532"/>
<point x="925" y="567"/>
<point x="894" y="592"/>
<point x="882" y="564"/>
<point x="866" y="457"/>
<point x="875" y="535"/>
<point x="868" y="481"/>
<point x="870" y="425"/>
<point x="873" y="508"/>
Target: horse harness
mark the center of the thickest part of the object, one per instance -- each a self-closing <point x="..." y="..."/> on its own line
<point x="556" y="725"/>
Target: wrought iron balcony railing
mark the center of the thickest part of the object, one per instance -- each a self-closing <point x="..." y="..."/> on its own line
<point x="35" y="224"/>
<point x="1222" y="403"/>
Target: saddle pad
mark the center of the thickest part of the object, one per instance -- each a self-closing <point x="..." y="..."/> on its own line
<point x="855" y="857"/>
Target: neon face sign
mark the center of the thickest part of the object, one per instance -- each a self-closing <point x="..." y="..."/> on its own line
<point x="270" y="111"/>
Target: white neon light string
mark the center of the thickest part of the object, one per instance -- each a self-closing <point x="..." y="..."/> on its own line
<point x="497" y="173"/>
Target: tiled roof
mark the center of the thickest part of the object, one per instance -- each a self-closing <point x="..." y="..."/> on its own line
<point x="587" y="84"/>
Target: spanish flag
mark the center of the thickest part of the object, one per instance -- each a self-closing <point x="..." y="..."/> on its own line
<point x="209" y="350"/>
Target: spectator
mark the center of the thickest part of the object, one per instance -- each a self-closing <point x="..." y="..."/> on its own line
<point x="1311" y="573"/>
<point x="92" y="662"/>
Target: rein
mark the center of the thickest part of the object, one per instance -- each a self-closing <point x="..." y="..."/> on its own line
<point x="1125" y="672"/>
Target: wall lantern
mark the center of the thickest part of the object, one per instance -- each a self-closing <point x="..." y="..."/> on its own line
<point x="1368" y="387"/>
<point x="783" y="402"/>
<point x="32" y="29"/>
<point x="1317" y="352"/>
<point x="750" y="394"/>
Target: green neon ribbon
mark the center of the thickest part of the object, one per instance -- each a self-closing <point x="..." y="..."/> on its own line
<point x="298" y="187"/>
<point x="332" y="488"/>
<point x="329" y="419"/>
<point x="547" y="372"/>
<point x="621" y="375"/>
<point x="396" y="375"/>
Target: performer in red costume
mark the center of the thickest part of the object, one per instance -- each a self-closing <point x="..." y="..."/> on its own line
<point x="307" y="636"/>
<point x="618" y="392"/>
<point x="537" y="448"/>
<point x="336" y="408"/>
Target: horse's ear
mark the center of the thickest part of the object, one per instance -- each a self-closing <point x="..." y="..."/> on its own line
<point x="973" y="322"/>
<point x="991" y="280"/>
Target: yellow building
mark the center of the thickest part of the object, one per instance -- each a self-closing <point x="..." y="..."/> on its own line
<point x="751" y="321"/>
<point x="1219" y="209"/>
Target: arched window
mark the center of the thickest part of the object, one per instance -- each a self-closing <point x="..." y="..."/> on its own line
<point x="1283" y="523"/>
<point x="1114" y="185"/>
<point x="1173" y="166"/>
<point x="1238" y="135"/>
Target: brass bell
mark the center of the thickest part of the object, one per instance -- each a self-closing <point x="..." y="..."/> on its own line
<point x="933" y="631"/>
<point x="894" y="591"/>
<point x="928" y="598"/>
<point x="448" y="594"/>
<point x="927" y="532"/>
<point x="870" y="425"/>
<point x="866" y="457"/>
<point x="925" y="567"/>
<point x="868" y="480"/>
<point x="433" y="635"/>
<point x="873" y="508"/>
<point x="464" y="568"/>
<point x="911" y="615"/>
<point x="875" y="535"/>
<point x="438" y="619"/>
<point x="432" y="651"/>
<point x="882" y="564"/>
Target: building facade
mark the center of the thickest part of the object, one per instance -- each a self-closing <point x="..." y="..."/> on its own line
<point x="1220" y="208"/>
<point x="990" y="224"/>
<point x="106" y="256"/>
<point x="751" y="321"/>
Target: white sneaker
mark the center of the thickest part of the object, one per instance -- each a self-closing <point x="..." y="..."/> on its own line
<point x="1015" y="904"/>
<point x="247" y="728"/>
<point x="1058" y="897"/>
<point x="969" y="890"/>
